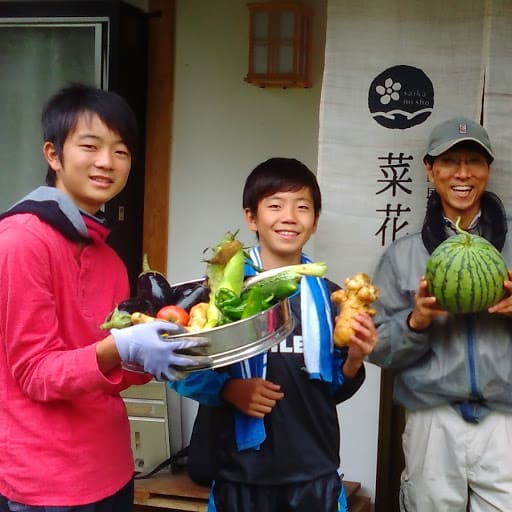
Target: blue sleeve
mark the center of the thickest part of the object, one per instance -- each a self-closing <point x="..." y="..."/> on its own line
<point x="204" y="387"/>
<point x="342" y="387"/>
<point x="338" y="358"/>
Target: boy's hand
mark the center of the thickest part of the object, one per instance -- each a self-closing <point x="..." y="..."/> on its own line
<point x="361" y="344"/>
<point x="254" y="397"/>
<point x="142" y="344"/>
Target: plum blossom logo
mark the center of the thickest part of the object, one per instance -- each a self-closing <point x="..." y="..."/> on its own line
<point x="388" y="91"/>
<point x="400" y="97"/>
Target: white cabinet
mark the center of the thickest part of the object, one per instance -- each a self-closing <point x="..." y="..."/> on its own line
<point x="148" y="414"/>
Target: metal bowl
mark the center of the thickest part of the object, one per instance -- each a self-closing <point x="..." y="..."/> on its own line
<point x="243" y="339"/>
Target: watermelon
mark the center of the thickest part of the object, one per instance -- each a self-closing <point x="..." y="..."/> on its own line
<point x="466" y="273"/>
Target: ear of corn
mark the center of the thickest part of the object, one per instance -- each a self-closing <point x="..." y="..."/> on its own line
<point x="288" y="272"/>
<point x="224" y="270"/>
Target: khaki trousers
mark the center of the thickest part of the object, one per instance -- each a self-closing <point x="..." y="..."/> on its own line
<point x="455" y="466"/>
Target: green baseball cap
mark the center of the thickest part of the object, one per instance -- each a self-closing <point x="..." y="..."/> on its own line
<point x="459" y="129"/>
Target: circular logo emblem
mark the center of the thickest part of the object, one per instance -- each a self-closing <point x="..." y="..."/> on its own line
<point x="401" y="97"/>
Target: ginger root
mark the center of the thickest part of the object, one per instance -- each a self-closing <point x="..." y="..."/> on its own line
<point x="357" y="296"/>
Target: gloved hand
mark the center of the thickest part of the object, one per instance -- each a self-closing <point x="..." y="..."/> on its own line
<point x="143" y="344"/>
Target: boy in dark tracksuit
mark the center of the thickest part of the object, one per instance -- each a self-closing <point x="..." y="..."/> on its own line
<point x="274" y="416"/>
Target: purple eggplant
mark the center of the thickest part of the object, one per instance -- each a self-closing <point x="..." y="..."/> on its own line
<point x="190" y="294"/>
<point x="153" y="286"/>
<point x="137" y="304"/>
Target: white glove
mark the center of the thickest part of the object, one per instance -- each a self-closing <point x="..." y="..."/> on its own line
<point x="142" y="344"/>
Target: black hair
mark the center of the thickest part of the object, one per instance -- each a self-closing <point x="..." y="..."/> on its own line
<point x="467" y="145"/>
<point x="63" y="110"/>
<point x="276" y="175"/>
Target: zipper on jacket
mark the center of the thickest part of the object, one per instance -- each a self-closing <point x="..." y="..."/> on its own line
<point x="471" y="356"/>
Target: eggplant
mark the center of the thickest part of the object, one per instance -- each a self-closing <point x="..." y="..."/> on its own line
<point x="191" y="294"/>
<point x="137" y="304"/>
<point x="153" y="286"/>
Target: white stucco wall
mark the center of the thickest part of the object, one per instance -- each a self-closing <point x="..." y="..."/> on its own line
<point x="222" y="128"/>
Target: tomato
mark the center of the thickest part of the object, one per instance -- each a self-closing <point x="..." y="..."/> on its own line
<point x="174" y="314"/>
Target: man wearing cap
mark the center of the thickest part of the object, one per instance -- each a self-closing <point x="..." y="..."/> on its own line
<point x="452" y="373"/>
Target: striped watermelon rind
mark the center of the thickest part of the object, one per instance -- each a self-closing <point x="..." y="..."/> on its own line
<point x="466" y="273"/>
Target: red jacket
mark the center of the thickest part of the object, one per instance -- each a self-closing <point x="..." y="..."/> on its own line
<point x="65" y="437"/>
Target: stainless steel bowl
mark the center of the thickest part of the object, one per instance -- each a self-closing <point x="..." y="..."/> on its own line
<point x="245" y="338"/>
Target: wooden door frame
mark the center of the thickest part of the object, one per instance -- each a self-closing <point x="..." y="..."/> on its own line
<point x="160" y="95"/>
<point x="390" y="460"/>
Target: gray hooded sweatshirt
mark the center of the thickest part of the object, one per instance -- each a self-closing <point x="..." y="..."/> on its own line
<point x="464" y="360"/>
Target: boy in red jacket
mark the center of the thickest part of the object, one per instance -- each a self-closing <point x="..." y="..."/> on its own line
<point x="65" y="442"/>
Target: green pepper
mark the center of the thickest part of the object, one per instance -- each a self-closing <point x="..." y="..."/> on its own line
<point x="233" y="313"/>
<point x="255" y="302"/>
<point x="225" y="297"/>
<point x="117" y="319"/>
<point x="229" y="304"/>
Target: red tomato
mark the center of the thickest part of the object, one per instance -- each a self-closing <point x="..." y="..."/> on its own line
<point x="174" y="314"/>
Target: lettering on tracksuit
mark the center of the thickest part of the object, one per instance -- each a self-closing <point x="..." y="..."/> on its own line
<point x="290" y="346"/>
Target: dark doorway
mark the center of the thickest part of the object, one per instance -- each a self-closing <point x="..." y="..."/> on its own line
<point x="47" y="44"/>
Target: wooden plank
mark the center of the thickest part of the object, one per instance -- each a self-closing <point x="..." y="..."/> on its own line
<point x="180" y="484"/>
<point x="141" y="495"/>
<point x="170" y="491"/>
<point x="172" y="503"/>
<point x="177" y="491"/>
<point x="351" y="488"/>
<point x="172" y="484"/>
<point x="360" y="504"/>
<point x="158" y="132"/>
